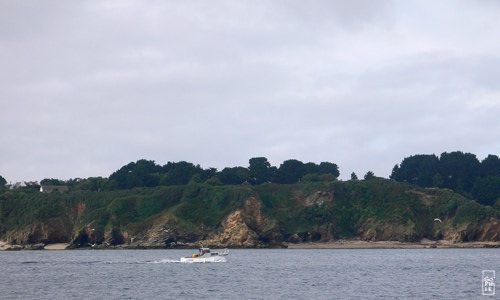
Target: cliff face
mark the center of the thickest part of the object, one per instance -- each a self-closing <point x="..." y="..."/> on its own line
<point x="483" y="231"/>
<point x="247" y="227"/>
<point x="270" y="216"/>
<point x="371" y="230"/>
<point x="54" y="230"/>
<point x="435" y="223"/>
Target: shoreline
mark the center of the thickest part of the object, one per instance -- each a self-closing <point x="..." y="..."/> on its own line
<point x="4" y="246"/>
<point x="358" y="244"/>
<point x="338" y="244"/>
<point x="58" y="246"/>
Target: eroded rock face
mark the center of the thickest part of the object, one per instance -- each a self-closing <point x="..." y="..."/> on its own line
<point x="55" y="230"/>
<point x="374" y="231"/>
<point x="265" y="227"/>
<point x="158" y="233"/>
<point x="236" y="233"/>
<point x="247" y="228"/>
<point x="488" y="231"/>
<point x="319" y="198"/>
<point x="164" y="232"/>
<point x="321" y="234"/>
<point x="81" y="238"/>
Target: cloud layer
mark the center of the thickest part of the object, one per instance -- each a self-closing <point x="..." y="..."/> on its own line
<point x="88" y="86"/>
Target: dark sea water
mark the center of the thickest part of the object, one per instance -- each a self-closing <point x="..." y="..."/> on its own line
<point x="249" y="274"/>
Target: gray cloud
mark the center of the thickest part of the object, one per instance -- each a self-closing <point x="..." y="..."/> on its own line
<point x="89" y="86"/>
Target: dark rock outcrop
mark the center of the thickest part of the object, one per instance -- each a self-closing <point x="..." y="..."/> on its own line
<point x="34" y="247"/>
<point x="55" y="230"/>
<point x="14" y="248"/>
<point x="247" y="227"/>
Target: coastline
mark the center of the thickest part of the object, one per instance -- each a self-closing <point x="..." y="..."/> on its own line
<point x="58" y="246"/>
<point x="4" y="246"/>
<point x="358" y="244"/>
<point x="338" y="244"/>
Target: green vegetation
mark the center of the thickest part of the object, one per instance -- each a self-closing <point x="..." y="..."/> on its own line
<point x="458" y="171"/>
<point x="3" y="182"/>
<point x="299" y="197"/>
<point x="146" y="173"/>
<point x="342" y="208"/>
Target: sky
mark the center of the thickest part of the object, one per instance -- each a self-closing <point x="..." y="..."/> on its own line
<point x="88" y="86"/>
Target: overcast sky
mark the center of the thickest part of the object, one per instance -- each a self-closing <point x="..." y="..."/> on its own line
<point x="89" y="86"/>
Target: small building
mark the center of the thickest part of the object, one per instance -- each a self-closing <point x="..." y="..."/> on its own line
<point x="16" y="185"/>
<point x="53" y="188"/>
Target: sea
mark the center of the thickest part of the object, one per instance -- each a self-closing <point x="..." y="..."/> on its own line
<point x="250" y="274"/>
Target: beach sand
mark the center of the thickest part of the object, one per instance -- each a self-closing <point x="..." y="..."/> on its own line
<point x="59" y="246"/>
<point x="3" y="245"/>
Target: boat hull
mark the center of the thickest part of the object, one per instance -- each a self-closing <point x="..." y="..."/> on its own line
<point x="203" y="259"/>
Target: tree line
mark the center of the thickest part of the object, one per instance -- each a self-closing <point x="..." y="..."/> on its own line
<point x="458" y="171"/>
<point x="147" y="173"/>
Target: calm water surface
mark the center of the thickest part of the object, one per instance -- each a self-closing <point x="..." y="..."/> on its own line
<point x="249" y="274"/>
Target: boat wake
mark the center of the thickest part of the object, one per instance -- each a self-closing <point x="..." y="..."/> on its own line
<point x="164" y="261"/>
<point x="176" y="261"/>
<point x="191" y="261"/>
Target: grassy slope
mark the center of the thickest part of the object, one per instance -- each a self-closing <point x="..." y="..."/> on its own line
<point x="355" y="203"/>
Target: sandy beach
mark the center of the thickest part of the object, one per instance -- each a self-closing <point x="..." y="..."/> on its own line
<point x="3" y="245"/>
<point x="59" y="246"/>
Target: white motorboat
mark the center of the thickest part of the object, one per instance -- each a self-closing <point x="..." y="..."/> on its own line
<point x="206" y="255"/>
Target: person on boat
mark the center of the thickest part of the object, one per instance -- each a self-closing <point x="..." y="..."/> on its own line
<point x="201" y="252"/>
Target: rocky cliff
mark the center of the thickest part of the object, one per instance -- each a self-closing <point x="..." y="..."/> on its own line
<point x="247" y="227"/>
<point x="54" y="230"/>
<point x="268" y="216"/>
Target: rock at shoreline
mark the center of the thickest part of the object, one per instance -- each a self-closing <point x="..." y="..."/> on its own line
<point x="39" y="246"/>
<point x="247" y="227"/>
<point x="14" y="248"/>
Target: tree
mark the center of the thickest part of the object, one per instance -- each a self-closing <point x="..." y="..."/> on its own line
<point x="3" y="182"/>
<point x="354" y="176"/>
<point x="486" y="190"/>
<point x="417" y="169"/>
<point x="290" y="171"/>
<point x="437" y="180"/>
<point x="178" y="173"/>
<point x="329" y="168"/>
<point x="235" y="175"/>
<point x="52" y="181"/>
<point x="94" y="184"/>
<point x="143" y="173"/>
<point x="459" y="170"/>
<point x="260" y="170"/>
<point x="490" y="166"/>
<point x="369" y="175"/>
<point x="322" y="168"/>
<point x="208" y="173"/>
